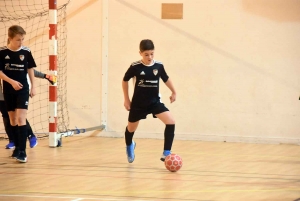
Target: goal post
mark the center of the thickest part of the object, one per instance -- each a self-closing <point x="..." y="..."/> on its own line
<point x="55" y="134"/>
<point x="53" y="138"/>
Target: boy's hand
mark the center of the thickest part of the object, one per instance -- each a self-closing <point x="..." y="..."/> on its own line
<point x="51" y="78"/>
<point x="16" y="85"/>
<point x="127" y="104"/>
<point x="172" y="97"/>
<point x="32" y="92"/>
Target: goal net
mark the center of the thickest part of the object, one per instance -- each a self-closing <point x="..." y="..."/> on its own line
<point x="33" y="17"/>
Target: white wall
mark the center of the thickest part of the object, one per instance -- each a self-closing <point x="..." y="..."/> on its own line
<point x="84" y="63"/>
<point x="234" y="63"/>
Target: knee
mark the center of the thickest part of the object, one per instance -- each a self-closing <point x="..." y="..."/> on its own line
<point x="170" y="121"/>
<point x="21" y="121"/>
<point x="13" y="122"/>
<point x="131" y="128"/>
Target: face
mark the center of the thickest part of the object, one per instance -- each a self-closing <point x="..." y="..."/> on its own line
<point x="16" y="42"/>
<point x="147" y="56"/>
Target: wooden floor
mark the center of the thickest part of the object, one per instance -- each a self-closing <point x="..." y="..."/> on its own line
<point x="96" y="168"/>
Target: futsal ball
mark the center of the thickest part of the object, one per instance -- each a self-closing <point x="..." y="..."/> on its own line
<point x="173" y="162"/>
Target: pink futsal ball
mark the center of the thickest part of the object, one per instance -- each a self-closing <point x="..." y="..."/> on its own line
<point x="173" y="162"/>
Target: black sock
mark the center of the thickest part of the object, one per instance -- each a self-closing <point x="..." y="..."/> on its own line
<point x="29" y="129"/>
<point x="128" y="137"/>
<point x="169" y="136"/>
<point x="22" y="137"/>
<point x="8" y="129"/>
<point x="16" y="135"/>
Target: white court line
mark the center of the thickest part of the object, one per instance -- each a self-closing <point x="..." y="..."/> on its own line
<point x="78" y="199"/>
<point x="67" y="197"/>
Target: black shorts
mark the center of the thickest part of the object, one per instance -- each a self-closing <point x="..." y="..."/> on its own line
<point x="136" y="114"/>
<point x="16" y="101"/>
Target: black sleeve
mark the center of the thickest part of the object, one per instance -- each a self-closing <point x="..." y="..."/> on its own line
<point x="129" y="74"/>
<point x="163" y="74"/>
<point x="31" y="62"/>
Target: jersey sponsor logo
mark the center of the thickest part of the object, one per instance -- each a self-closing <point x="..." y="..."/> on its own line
<point x="155" y="71"/>
<point x="7" y="57"/>
<point x="141" y="83"/>
<point x="142" y="73"/>
<point x="152" y="81"/>
<point x="18" y="65"/>
<point x="22" y="57"/>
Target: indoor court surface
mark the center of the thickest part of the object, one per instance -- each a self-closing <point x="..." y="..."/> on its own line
<point x="96" y="168"/>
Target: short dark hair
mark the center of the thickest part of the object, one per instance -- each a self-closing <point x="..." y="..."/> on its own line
<point x="146" y="44"/>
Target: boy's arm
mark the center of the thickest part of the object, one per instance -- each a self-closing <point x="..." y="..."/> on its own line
<point x="38" y="74"/>
<point x="171" y="87"/>
<point x="51" y="78"/>
<point x="30" y="72"/>
<point x="126" y="95"/>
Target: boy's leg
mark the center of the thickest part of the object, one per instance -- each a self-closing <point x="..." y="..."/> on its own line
<point x="22" y="128"/>
<point x="15" y="133"/>
<point x="169" y="133"/>
<point x="9" y="132"/>
<point x="22" y="140"/>
<point x="21" y="106"/>
<point x="129" y="132"/>
<point x="169" y="136"/>
<point x="16" y="151"/>
<point x="130" y="144"/>
<point x="7" y="125"/>
<point x="10" y="103"/>
<point x="29" y="129"/>
<point x="31" y="137"/>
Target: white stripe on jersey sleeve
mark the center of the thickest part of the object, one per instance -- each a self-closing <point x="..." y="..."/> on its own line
<point x="3" y="48"/>
<point x="25" y="48"/>
<point x="136" y="63"/>
<point x="159" y="62"/>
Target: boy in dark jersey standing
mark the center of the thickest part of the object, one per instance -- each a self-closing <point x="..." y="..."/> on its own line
<point x="31" y="137"/>
<point x="146" y="100"/>
<point x="15" y="62"/>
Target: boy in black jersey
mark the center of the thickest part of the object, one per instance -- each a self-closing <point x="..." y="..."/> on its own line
<point x="146" y="100"/>
<point x="31" y="137"/>
<point x="16" y="62"/>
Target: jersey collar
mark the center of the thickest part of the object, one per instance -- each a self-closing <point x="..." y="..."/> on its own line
<point x="153" y="62"/>
<point x="14" y="50"/>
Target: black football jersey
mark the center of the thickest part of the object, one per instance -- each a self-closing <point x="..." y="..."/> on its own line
<point x="14" y="64"/>
<point x="146" y="89"/>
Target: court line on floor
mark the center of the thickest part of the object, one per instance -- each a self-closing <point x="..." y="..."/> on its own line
<point x="68" y="197"/>
<point x="136" y="192"/>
